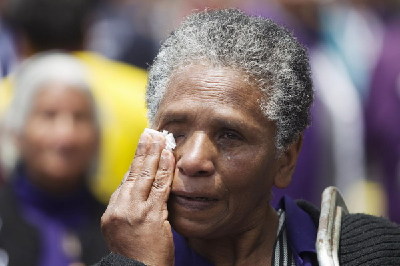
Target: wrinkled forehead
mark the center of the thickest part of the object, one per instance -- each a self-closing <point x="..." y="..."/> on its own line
<point x="213" y="83"/>
<point x="222" y="89"/>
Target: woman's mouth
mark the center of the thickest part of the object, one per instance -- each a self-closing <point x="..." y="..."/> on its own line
<point x="193" y="202"/>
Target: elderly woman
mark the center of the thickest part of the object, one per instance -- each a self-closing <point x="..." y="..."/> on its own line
<point x="48" y="216"/>
<point x="235" y="91"/>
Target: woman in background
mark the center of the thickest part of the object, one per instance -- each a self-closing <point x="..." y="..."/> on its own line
<point x="48" y="215"/>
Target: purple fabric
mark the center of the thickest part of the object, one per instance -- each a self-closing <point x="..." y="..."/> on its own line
<point x="383" y="118"/>
<point x="306" y="35"/>
<point x="184" y="255"/>
<point x="301" y="232"/>
<point x="53" y="217"/>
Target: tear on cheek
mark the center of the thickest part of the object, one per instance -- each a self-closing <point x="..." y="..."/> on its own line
<point x="170" y="143"/>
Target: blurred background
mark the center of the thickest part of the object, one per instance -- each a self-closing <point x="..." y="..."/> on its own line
<point x="354" y="48"/>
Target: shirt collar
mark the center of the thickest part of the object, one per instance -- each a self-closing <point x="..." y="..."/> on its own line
<point x="301" y="230"/>
<point x="184" y="255"/>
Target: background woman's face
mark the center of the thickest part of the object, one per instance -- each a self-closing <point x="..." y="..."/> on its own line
<point x="60" y="139"/>
<point x="226" y="158"/>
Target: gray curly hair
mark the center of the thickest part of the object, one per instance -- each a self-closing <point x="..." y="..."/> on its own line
<point x="268" y="54"/>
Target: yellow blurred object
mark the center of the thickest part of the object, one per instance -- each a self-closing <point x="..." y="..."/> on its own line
<point x="119" y="90"/>
<point x="366" y="197"/>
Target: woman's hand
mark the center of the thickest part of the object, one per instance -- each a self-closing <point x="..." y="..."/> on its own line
<point x="135" y="223"/>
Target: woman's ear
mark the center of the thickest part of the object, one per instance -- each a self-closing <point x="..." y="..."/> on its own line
<point x="287" y="163"/>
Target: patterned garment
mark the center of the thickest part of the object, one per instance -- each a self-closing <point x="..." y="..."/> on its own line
<point x="282" y="253"/>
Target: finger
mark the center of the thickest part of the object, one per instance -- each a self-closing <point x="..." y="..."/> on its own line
<point x="126" y="175"/>
<point x="162" y="183"/>
<point x="144" y="180"/>
<point x="140" y="156"/>
<point x="126" y="197"/>
<point x="114" y="197"/>
<point x="128" y="192"/>
<point x="112" y="204"/>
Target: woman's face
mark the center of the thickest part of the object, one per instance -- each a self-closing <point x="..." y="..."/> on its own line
<point x="226" y="160"/>
<point x="60" y="138"/>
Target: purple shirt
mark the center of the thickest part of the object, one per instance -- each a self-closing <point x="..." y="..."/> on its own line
<point x="54" y="217"/>
<point x="301" y="232"/>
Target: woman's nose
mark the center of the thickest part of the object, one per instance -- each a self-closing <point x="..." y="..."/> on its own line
<point x="196" y="156"/>
<point x="65" y="129"/>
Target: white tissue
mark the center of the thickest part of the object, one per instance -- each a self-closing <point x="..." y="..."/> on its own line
<point x="169" y="138"/>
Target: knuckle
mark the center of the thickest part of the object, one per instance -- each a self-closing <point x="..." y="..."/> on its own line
<point x="141" y="146"/>
<point x="145" y="173"/>
<point x="131" y="176"/>
<point x="152" y="216"/>
<point x="111" y="217"/>
<point x="163" y="170"/>
<point x="159" y="184"/>
<point x="138" y="220"/>
<point x="139" y="156"/>
<point x="117" y="218"/>
<point x="155" y="148"/>
<point x="138" y="215"/>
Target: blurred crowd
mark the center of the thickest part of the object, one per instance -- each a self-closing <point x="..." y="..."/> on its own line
<point x="353" y="142"/>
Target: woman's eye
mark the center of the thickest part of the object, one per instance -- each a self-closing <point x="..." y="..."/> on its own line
<point x="178" y="136"/>
<point x="48" y="114"/>
<point x="230" y="135"/>
<point x="82" y="116"/>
